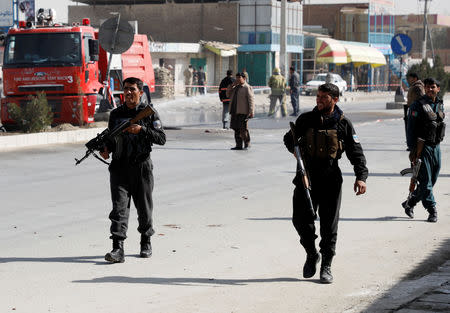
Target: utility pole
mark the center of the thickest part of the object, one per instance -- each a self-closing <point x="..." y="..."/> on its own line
<point x="283" y="38"/>
<point x="425" y="31"/>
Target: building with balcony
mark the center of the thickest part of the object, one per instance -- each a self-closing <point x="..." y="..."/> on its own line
<point x="365" y="23"/>
<point x="439" y="26"/>
<point x="259" y="37"/>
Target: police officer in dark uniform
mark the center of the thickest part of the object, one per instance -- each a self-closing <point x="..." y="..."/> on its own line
<point x="324" y="134"/>
<point x="227" y="81"/>
<point x="131" y="170"/>
<point x="426" y="127"/>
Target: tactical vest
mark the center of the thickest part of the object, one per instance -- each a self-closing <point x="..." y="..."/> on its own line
<point x="323" y="144"/>
<point x="433" y="127"/>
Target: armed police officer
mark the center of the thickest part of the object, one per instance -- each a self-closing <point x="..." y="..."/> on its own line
<point x="324" y="134"/>
<point x="130" y="170"/>
<point x="425" y="131"/>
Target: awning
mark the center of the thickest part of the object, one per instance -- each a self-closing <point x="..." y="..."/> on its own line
<point x="220" y="48"/>
<point x="330" y="51"/>
<point x="341" y="52"/>
<point x="360" y="55"/>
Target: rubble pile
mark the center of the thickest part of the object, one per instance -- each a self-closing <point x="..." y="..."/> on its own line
<point x="164" y="78"/>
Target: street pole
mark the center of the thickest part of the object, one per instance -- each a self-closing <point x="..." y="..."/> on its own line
<point x="283" y="37"/>
<point x="425" y="25"/>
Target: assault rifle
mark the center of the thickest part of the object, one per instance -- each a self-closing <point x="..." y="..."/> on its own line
<point x="98" y="143"/>
<point x="301" y="171"/>
<point x="415" y="167"/>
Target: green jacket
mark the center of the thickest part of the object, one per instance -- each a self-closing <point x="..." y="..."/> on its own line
<point x="277" y="84"/>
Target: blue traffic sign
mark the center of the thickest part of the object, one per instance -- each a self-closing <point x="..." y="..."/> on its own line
<point x="401" y="44"/>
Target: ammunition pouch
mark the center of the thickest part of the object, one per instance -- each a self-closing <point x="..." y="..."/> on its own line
<point x="433" y="131"/>
<point x="440" y="133"/>
<point x="322" y="144"/>
<point x="429" y="132"/>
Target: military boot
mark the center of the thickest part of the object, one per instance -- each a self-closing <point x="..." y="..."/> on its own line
<point x="432" y="215"/>
<point x="238" y="145"/>
<point x="146" y="247"/>
<point x="116" y="255"/>
<point x="409" y="210"/>
<point x="309" y="269"/>
<point x="325" y="270"/>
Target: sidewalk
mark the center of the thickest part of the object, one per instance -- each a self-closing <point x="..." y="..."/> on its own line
<point x="430" y="293"/>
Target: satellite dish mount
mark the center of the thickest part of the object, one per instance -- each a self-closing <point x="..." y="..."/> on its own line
<point x="115" y="36"/>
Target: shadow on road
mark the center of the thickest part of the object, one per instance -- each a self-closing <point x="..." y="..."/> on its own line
<point x="389" y="174"/>
<point x="346" y="219"/>
<point x="186" y="281"/>
<point x="99" y="260"/>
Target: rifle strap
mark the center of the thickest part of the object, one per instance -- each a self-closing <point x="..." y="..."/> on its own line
<point x="95" y="155"/>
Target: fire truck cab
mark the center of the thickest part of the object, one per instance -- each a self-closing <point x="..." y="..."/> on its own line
<point x="67" y="64"/>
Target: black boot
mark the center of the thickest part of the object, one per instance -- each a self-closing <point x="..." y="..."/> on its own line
<point x="309" y="269"/>
<point x="432" y="215"/>
<point x="146" y="247"/>
<point x="325" y="270"/>
<point x="238" y="145"/>
<point x="409" y="210"/>
<point x="238" y="139"/>
<point x="116" y="255"/>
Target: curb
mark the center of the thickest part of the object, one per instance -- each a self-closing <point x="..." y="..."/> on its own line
<point x="421" y="295"/>
<point x="47" y="138"/>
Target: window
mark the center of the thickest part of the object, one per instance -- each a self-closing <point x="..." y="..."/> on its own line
<point x="43" y="49"/>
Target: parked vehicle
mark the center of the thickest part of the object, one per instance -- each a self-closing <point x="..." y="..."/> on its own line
<point x="67" y="63"/>
<point x="319" y="79"/>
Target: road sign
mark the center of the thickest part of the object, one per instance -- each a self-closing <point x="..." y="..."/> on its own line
<point x="401" y="44"/>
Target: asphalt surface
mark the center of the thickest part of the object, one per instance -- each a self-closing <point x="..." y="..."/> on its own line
<point x="224" y="240"/>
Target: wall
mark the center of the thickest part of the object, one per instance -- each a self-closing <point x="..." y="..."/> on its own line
<point x="181" y="62"/>
<point x="260" y="22"/>
<point x="330" y="17"/>
<point x="171" y="22"/>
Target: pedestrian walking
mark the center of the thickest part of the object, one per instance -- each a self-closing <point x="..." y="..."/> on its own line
<point x="227" y="81"/>
<point x="425" y="131"/>
<point x="294" y="85"/>
<point x="324" y="134"/>
<point x="130" y="170"/>
<point x="242" y="106"/>
<point x="415" y="91"/>
<point x="188" y="75"/>
<point x="201" y="78"/>
<point x="277" y="84"/>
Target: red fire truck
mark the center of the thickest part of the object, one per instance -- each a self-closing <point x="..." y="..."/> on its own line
<point x="67" y="64"/>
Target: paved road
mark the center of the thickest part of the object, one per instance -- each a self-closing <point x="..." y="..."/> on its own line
<point x="224" y="241"/>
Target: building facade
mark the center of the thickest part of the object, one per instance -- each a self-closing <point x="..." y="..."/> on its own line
<point x="439" y="26"/>
<point x="260" y="37"/>
<point x="253" y="24"/>
<point x="361" y="22"/>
